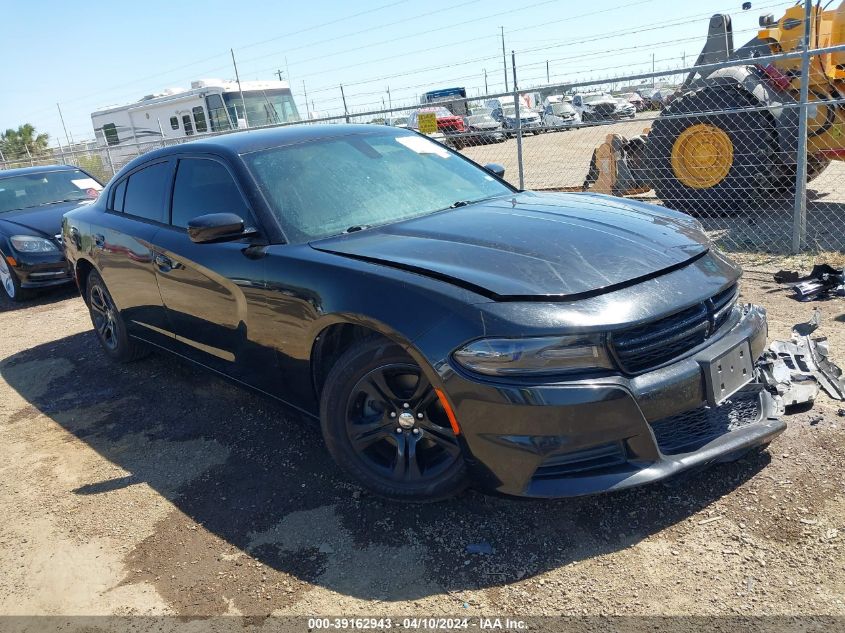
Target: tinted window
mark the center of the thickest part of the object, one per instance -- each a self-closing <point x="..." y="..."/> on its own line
<point x="145" y="192"/>
<point x="119" y="192"/>
<point x="110" y="132"/>
<point x="204" y="186"/>
<point x="174" y="122"/>
<point x="186" y="121"/>
<point x="199" y="119"/>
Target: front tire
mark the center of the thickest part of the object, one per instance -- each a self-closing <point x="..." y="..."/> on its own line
<point x="108" y="323"/>
<point x="385" y="426"/>
<point x="10" y="283"/>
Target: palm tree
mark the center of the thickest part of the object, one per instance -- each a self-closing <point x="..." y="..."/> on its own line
<point x="23" y="142"/>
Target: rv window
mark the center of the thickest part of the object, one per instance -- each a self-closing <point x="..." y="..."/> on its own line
<point x="204" y="186"/>
<point x="199" y="119"/>
<point x="217" y="113"/>
<point x="110" y="132"/>
<point x="186" y="121"/>
<point x="145" y="192"/>
<point x="174" y="122"/>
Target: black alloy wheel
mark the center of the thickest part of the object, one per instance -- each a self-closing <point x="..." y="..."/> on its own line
<point x="108" y="323"/>
<point x="384" y="424"/>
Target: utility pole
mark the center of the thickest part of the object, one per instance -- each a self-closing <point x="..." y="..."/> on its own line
<point x="343" y="96"/>
<point x="548" y="80"/>
<point x="653" y="78"/>
<point x="287" y="69"/>
<point x="389" y="100"/>
<point x="504" y="58"/>
<point x="240" y="90"/>
<point x="486" y="91"/>
<point x="67" y="136"/>
<point x="305" y="95"/>
<point x="278" y="73"/>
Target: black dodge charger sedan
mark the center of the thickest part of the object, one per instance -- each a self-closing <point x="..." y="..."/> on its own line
<point x="441" y="325"/>
<point x="32" y="203"/>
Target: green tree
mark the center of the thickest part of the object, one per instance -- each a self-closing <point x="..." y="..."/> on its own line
<point x="15" y="143"/>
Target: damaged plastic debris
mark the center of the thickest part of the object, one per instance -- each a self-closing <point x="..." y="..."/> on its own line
<point x="822" y="282"/>
<point x="796" y="369"/>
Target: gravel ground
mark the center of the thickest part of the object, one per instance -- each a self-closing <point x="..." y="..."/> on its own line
<point x="155" y="488"/>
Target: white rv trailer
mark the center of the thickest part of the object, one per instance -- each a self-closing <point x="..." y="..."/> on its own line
<point x="210" y="105"/>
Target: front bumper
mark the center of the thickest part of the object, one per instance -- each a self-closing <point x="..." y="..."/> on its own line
<point x="595" y="435"/>
<point x="42" y="270"/>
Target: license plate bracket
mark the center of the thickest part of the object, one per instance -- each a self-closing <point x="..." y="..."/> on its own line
<point x="727" y="373"/>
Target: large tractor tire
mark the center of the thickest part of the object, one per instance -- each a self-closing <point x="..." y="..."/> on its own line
<point x="709" y="154"/>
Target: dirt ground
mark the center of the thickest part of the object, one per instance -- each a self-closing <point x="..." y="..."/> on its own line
<point x="155" y="488"/>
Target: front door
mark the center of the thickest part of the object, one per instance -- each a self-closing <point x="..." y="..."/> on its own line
<point x="211" y="291"/>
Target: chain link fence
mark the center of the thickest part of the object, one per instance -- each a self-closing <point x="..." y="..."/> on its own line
<point x="752" y="148"/>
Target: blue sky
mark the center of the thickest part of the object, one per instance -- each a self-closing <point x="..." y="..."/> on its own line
<point x="89" y="55"/>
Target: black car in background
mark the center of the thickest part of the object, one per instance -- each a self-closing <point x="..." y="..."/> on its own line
<point x="32" y="202"/>
<point x="441" y="325"/>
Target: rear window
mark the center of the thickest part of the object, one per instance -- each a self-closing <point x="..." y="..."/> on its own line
<point x="145" y="191"/>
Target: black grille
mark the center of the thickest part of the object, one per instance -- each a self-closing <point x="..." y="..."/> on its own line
<point x="645" y="346"/>
<point x="690" y="431"/>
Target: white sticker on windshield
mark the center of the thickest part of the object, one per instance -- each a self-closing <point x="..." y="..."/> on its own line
<point x="422" y="145"/>
<point x="87" y="183"/>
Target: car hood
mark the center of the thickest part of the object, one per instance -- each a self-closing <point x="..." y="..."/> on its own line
<point x="530" y="245"/>
<point x="43" y="221"/>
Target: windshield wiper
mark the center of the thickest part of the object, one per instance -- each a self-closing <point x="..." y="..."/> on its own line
<point x="44" y="204"/>
<point x="357" y="227"/>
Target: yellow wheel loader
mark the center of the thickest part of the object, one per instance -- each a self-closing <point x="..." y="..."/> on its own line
<point x="729" y="140"/>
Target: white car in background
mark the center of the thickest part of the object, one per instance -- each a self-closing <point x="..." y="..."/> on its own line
<point x="560" y="115"/>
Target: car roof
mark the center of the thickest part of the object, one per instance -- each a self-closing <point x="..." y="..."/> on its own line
<point x="40" y="169"/>
<point x="248" y="141"/>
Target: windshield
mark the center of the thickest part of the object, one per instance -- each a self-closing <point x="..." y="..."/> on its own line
<point x="263" y="107"/>
<point x="40" y="189"/>
<point x="562" y="108"/>
<point x="438" y="112"/>
<point x="510" y="111"/>
<point x="598" y="98"/>
<point x="326" y="187"/>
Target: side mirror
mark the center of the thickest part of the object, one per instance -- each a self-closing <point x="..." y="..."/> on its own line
<point x="217" y="227"/>
<point x="496" y="169"/>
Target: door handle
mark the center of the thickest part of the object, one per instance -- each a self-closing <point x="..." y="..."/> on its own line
<point x="99" y="240"/>
<point x="164" y="263"/>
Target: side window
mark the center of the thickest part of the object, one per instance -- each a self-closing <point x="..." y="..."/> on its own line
<point x="189" y="128"/>
<point x="174" y="123"/>
<point x="118" y="195"/>
<point x="110" y="132"/>
<point x="145" y="190"/>
<point x="204" y="186"/>
<point x="199" y="119"/>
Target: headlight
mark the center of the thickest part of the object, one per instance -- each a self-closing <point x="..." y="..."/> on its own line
<point x="534" y="356"/>
<point x="32" y="244"/>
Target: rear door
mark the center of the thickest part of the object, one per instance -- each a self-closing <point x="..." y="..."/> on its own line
<point x="211" y="291"/>
<point x="122" y="247"/>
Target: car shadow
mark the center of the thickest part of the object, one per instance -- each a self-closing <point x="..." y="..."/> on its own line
<point x="273" y="493"/>
<point x="39" y="298"/>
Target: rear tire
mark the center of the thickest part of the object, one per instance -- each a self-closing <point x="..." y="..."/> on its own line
<point x="404" y="453"/>
<point x="108" y="323"/>
<point x="752" y="165"/>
